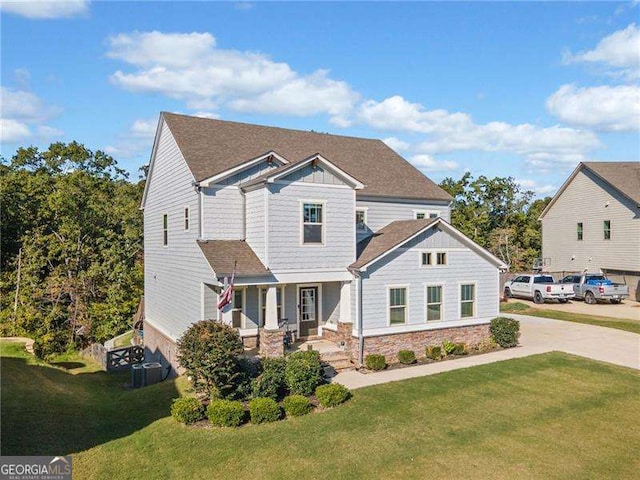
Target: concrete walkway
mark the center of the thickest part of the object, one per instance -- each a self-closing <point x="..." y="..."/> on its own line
<point x="28" y="343"/>
<point x="538" y="335"/>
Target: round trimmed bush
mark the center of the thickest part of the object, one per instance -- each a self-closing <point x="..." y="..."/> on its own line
<point x="226" y="413"/>
<point x="505" y="331"/>
<point x="375" y="362"/>
<point x="296" y="405"/>
<point x="264" y="410"/>
<point x="270" y="383"/>
<point x="303" y="372"/>
<point x="187" y="410"/>
<point x="332" y="395"/>
<point x="434" y="352"/>
<point x="406" y="357"/>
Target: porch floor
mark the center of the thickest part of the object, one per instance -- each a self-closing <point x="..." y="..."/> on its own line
<point x="322" y="346"/>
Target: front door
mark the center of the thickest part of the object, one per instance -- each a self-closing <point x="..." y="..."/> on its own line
<point x="308" y="305"/>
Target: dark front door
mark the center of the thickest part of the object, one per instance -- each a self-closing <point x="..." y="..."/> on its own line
<point x="308" y="306"/>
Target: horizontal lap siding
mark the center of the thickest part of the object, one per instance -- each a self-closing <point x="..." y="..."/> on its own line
<point x="284" y="218"/>
<point x="223" y="213"/>
<point x="330" y="302"/>
<point x="584" y="200"/>
<point x="256" y="221"/>
<point x="402" y="268"/>
<point x="173" y="274"/>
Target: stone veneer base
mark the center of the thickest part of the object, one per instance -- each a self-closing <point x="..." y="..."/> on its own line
<point x="271" y="343"/>
<point x="160" y="348"/>
<point x="390" y="344"/>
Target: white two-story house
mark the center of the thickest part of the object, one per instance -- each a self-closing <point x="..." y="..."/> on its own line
<point x="339" y="235"/>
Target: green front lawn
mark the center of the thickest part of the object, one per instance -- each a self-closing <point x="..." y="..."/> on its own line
<point x="545" y="416"/>
<point x="611" y="322"/>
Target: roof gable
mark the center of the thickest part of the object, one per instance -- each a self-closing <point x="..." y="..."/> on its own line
<point x="214" y="146"/>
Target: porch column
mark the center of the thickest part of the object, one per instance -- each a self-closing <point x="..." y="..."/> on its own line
<point x="271" y="309"/>
<point x="345" y="302"/>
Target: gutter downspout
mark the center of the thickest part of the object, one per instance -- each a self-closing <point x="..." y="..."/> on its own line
<point x="359" y="318"/>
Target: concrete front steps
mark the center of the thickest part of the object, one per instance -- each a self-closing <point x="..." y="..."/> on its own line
<point x="338" y="361"/>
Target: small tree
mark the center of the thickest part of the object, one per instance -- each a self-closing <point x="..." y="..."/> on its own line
<point x="209" y="352"/>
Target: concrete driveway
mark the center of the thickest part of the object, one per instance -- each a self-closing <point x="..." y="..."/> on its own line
<point x="628" y="309"/>
<point x="538" y="335"/>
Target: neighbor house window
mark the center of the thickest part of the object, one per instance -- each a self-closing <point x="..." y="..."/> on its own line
<point x="165" y="230"/>
<point x="397" y="306"/>
<point x="441" y="258"/>
<point x="434" y="303"/>
<point x="312" y="223"/>
<point x="580" y="230"/>
<point x="607" y="229"/>
<point x="433" y="215"/>
<point x="361" y="220"/>
<point x="420" y="215"/>
<point x="467" y="300"/>
<point x="425" y="259"/>
<point x="263" y="311"/>
<point x="186" y="218"/>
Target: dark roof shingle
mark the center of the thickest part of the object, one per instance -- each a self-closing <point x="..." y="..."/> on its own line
<point x="221" y="255"/>
<point x="624" y="176"/>
<point x="213" y="146"/>
<point x="387" y="238"/>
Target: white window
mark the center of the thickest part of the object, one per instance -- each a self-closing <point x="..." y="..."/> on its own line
<point x="434" y="303"/>
<point x="263" y="304"/>
<point x="421" y="214"/>
<point x="312" y="223"/>
<point x="361" y="220"/>
<point x="397" y="305"/>
<point x="441" y="258"/>
<point x="425" y="259"/>
<point x="433" y="258"/>
<point x="467" y="300"/>
<point x="186" y="218"/>
<point x="165" y="230"/>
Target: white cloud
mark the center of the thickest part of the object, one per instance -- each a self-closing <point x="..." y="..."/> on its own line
<point x="136" y="141"/>
<point x="448" y="132"/>
<point x="12" y="131"/>
<point x="23" y="112"/>
<point x="396" y="144"/>
<point x="620" y="51"/>
<point x="427" y="163"/>
<point x="191" y="67"/>
<point x="602" y="108"/>
<point x="46" y="9"/>
<point x="541" y="190"/>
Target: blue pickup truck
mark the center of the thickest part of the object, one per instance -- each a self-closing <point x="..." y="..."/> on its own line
<point x="593" y="287"/>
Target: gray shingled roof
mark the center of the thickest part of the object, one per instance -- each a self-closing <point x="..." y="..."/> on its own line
<point x="623" y="176"/>
<point x="213" y="146"/>
<point x="388" y="237"/>
<point x="221" y="255"/>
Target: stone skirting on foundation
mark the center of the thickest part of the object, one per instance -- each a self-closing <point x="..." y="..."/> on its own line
<point x="389" y="345"/>
<point x="271" y="343"/>
<point x="160" y="348"/>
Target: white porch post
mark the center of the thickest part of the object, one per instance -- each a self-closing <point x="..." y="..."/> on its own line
<point x="271" y="309"/>
<point x="345" y="302"/>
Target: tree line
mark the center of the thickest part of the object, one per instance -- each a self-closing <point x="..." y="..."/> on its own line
<point x="71" y="241"/>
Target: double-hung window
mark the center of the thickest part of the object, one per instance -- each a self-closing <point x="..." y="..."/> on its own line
<point x="361" y="220"/>
<point x="434" y="303"/>
<point x="165" y="230"/>
<point x="467" y="300"/>
<point x="312" y="226"/>
<point x="580" y="230"/>
<point x="607" y="229"/>
<point x="186" y="218"/>
<point x="397" y="306"/>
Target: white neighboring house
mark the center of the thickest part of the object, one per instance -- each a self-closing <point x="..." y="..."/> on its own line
<point x="339" y="235"/>
<point x="593" y="223"/>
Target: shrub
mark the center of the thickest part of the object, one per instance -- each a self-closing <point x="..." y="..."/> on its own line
<point x="448" y="347"/>
<point x="406" y="357"/>
<point x="226" y="413"/>
<point x="460" y="349"/>
<point x="375" y="362"/>
<point x="505" y="331"/>
<point x="187" y="410"/>
<point x="209" y="352"/>
<point x="303" y="372"/>
<point x="486" y="345"/>
<point x="434" y="352"/>
<point x="332" y="395"/>
<point x="296" y="405"/>
<point x="270" y="383"/>
<point x="264" y="410"/>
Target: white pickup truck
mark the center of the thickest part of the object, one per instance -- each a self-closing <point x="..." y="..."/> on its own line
<point x="538" y="288"/>
<point x="594" y="287"/>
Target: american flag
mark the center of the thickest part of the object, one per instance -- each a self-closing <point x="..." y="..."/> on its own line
<point x="227" y="294"/>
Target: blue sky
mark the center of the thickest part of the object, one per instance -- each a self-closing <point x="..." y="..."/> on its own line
<point x="520" y="89"/>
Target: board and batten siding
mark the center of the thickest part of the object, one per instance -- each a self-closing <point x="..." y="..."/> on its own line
<point x="284" y="237"/>
<point x="590" y="200"/>
<point x="173" y="275"/>
<point x="384" y="211"/>
<point x="402" y="268"/>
